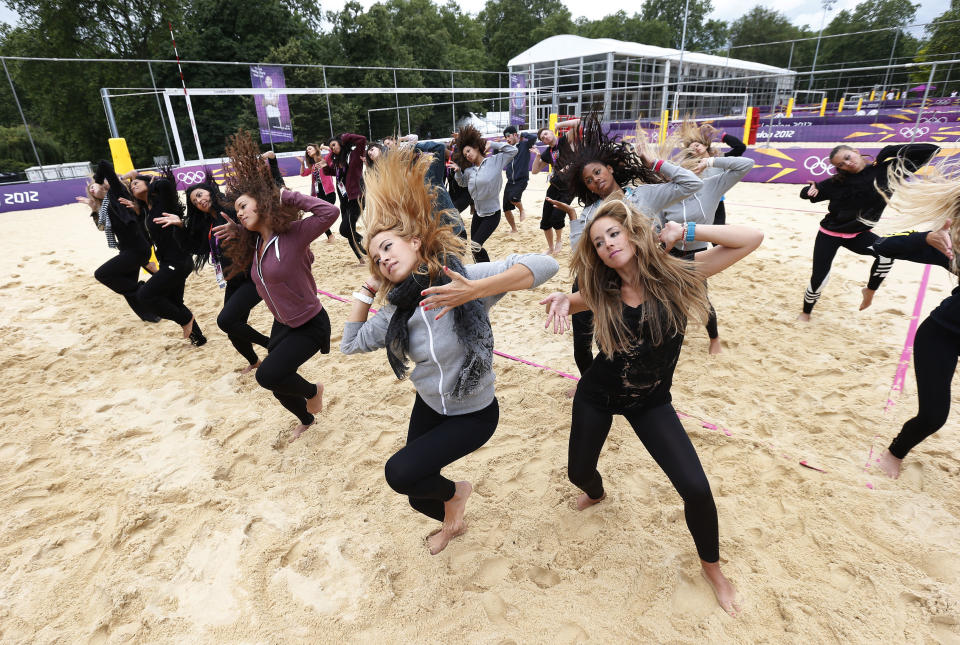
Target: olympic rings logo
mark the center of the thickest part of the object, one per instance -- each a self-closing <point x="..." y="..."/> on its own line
<point x="911" y="132"/>
<point x="819" y="166"/>
<point x="932" y="119"/>
<point x="191" y="177"/>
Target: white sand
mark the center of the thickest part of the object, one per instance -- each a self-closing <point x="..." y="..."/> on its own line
<point x="150" y="496"/>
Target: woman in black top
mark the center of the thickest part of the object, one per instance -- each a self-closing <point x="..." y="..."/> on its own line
<point x="163" y="292"/>
<point x="124" y="232"/>
<point x="641" y="298"/>
<point x="206" y="209"/>
<point x="558" y="153"/>
<point x="934" y="201"/>
<point x="857" y="199"/>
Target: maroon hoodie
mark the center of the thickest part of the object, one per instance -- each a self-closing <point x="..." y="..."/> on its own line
<point x="282" y="275"/>
<point x="353" y="175"/>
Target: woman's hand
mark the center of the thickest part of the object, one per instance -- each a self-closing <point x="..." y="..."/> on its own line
<point x="812" y="191"/>
<point x="226" y="232"/>
<point x="558" y="308"/>
<point x="168" y="219"/>
<point x="670" y="234"/>
<point x="374" y="282"/>
<point x="566" y="208"/>
<point x="702" y="165"/>
<point x="84" y="199"/>
<point x="452" y="165"/>
<point x="940" y="240"/>
<point x="129" y="204"/>
<point x="453" y="294"/>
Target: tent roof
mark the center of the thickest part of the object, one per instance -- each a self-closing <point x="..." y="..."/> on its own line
<point x="565" y="47"/>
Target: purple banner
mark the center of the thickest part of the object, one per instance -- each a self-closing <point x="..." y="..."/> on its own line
<point x="273" y="113"/>
<point x="189" y="175"/>
<point x="22" y="197"/>
<point x="518" y="100"/>
<point x="800" y="165"/>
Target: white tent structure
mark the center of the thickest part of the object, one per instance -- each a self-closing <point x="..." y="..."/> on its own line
<point x="571" y="74"/>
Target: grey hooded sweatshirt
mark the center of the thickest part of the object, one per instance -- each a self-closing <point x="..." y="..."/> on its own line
<point x="701" y="207"/>
<point x="434" y="347"/>
<point x="649" y="199"/>
<point x="484" y="181"/>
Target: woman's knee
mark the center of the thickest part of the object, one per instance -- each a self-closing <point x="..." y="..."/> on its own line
<point x="696" y="492"/>
<point x="398" y="474"/>
<point x="267" y="377"/>
<point x="226" y="322"/>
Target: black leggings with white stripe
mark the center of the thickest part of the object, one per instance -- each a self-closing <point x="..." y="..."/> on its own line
<point x="825" y="249"/>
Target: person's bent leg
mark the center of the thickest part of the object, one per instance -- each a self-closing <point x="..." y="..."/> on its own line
<point x="239" y="298"/>
<point x="163" y="294"/>
<point x="935" y="351"/>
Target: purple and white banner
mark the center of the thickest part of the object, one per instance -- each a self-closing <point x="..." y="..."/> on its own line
<point x="518" y="100"/>
<point x="273" y="113"/>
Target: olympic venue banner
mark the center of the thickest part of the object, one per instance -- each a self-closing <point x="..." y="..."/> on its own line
<point x="273" y="111"/>
<point x="518" y="100"/>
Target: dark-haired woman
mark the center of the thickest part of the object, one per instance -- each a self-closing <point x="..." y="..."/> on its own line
<point x="415" y="261"/>
<point x="207" y="210"/>
<point x="322" y="185"/>
<point x="559" y="150"/>
<point x="483" y="177"/>
<point x="273" y="243"/>
<point x="601" y="167"/>
<point x="157" y="198"/>
<point x="856" y="195"/>
<point x="124" y="232"/>
<point x="345" y="163"/>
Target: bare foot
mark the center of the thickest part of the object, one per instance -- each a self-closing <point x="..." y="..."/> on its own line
<point x="331" y="238"/>
<point x="557" y="246"/>
<point x="188" y="328"/>
<point x="804" y="317"/>
<point x="585" y="501"/>
<point x="572" y="392"/>
<point x="722" y="588"/>
<point x="867" y="298"/>
<point x="715" y="347"/>
<point x="315" y="403"/>
<point x="250" y="368"/>
<point x="296" y="432"/>
<point x="453" y="524"/>
<point x="889" y="464"/>
<point x="514" y="232"/>
<point x="549" y="251"/>
<point x="523" y="215"/>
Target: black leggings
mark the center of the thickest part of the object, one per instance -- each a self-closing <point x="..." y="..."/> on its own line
<point x="482" y="228"/>
<point x="349" y="214"/>
<point x="239" y="298"/>
<point x="121" y="273"/>
<point x="434" y="441"/>
<point x="720" y="216"/>
<point x="935" y="351"/>
<point x="825" y="249"/>
<point x="582" y="324"/>
<point x="330" y="198"/>
<point x="289" y="348"/>
<point x="163" y="292"/>
<point x="665" y="439"/>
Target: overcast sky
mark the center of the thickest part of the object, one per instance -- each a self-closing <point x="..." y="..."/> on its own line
<point x="729" y="10"/>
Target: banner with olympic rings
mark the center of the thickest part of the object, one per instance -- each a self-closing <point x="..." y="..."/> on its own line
<point x="801" y="165"/>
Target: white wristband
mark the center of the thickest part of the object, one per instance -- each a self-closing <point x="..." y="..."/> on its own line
<point x="362" y="297"/>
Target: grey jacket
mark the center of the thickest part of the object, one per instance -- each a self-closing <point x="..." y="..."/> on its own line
<point x="434" y="347"/>
<point x="649" y="199"/>
<point x="701" y="207"/>
<point x="484" y="181"/>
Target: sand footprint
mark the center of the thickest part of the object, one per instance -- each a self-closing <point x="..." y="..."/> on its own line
<point x="543" y="578"/>
<point x="490" y="573"/>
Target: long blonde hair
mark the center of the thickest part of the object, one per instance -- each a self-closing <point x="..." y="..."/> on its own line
<point x="673" y="288"/>
<point x="925" y="202"/>
<point x="398" y="199"/>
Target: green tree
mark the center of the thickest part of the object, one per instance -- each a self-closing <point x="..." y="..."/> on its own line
<point x="633" y="29"/>
<point x="671" y="13"/>
<point x="762" y="25"/>
<point x="943" y="41"/>
<point x="512" y="26"/>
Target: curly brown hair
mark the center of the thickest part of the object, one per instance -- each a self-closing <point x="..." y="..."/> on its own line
<point x="250" y="176"/>
<point x="468" y="136"/>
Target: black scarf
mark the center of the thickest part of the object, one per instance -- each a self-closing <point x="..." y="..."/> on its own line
<point x="469" y="319"/>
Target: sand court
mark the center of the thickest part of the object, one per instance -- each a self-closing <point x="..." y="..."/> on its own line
<point x="151" y="495"/>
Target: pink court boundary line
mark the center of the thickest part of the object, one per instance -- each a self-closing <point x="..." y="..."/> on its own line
<point x="682" y="415"/>
<point x="905" y="357"/>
